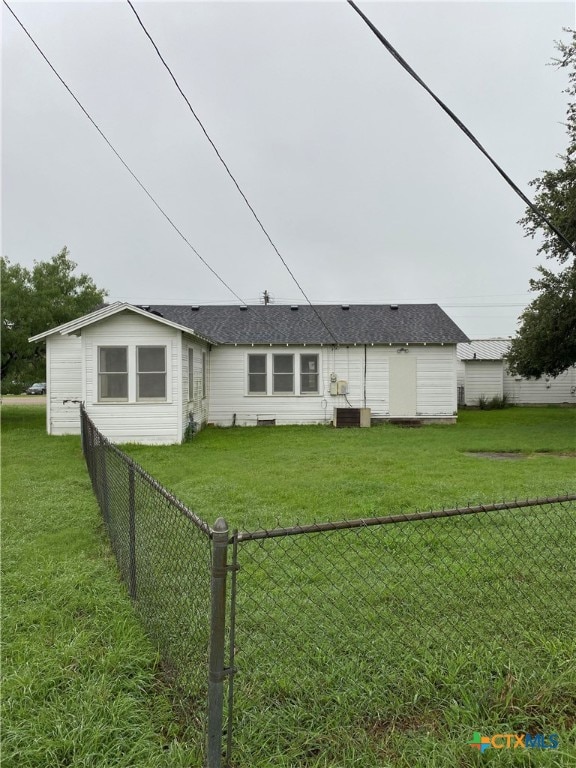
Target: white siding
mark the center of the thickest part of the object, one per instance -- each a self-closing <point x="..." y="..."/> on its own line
<point x="64" y="381"/>
<point x="142" y="422"/>
<point x="437" y="395"/>
<point x="490" y="378"/>
<point x="229" y="390"/>
<point x="365" y="369"/>
<point x="377" y="378"/>
<point x="546" y="390"/>
<point x="483" y="378"/>
<point x="460" y="373"/>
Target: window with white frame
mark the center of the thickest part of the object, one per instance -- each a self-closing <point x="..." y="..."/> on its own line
<point x="308" y="374"/>
<point x="282" y="374"/>
<point x="151" y="373"/>
<point x="190" y="373"/>
<point x="113" y="373"/>
<point x="257" y="374"/>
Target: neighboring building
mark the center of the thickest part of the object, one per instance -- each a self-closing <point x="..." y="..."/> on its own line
<point x="482" y="372"/>
<point x="146" y="373"/>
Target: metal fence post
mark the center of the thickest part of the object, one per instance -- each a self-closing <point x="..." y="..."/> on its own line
<point x="217" y="673"/>
<point x="83" y="431"/>
<point x="131" y="533"/>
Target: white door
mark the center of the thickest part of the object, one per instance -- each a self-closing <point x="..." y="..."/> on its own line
<point x="402" y="383"/>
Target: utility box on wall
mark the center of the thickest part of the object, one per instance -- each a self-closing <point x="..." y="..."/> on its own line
<point x="351" y="417"/>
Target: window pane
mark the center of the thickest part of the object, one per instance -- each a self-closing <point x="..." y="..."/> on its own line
<point x="309" y="383"/>
<point x="257" y="382"/>
<point x="283" y="379"/>
<point x="257" y="363"/>
<point x="114" y="386"/>
<point x="309" y="363"/>
<point x="283" y="382"/>
<point x="152" y="385"/>
<point x="113" y="373"/>
<point x="113" y="359"/>
<point x="308" y="374"/>
<point x="151" y="359"/>
<point x="257" y="374"/>
<point x="283" y="363"/>
<point x="151" y="378"/>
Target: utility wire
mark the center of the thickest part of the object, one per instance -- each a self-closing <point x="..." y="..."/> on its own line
<point x="140" y="184"/>
<point x="229" y="172"/>
<point x="461" y="125"/>
<point x="130" y="171"/>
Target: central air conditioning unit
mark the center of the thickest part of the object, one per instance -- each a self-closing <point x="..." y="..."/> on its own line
<point x="351" y="417"/>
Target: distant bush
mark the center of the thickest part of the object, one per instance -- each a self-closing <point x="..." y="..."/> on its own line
<point x="494" y="403"/>
<point x="13" y="387"/>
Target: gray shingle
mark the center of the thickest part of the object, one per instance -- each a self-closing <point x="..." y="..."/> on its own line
<point x="280" y="324"/>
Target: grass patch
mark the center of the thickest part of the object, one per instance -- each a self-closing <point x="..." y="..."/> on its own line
<point x="381" y="647"/>
<point x="259" y="477"/>
<point x="80" y="679"/>
<point x="392" y="646"/>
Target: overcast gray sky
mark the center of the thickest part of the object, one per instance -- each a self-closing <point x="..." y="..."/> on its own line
<point x="368" y="189"/>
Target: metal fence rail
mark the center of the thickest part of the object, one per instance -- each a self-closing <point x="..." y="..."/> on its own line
<point x="354" y="627"/>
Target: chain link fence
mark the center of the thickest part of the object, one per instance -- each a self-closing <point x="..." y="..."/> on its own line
<point x="163" y="551"/>
<point x="348" y="643"/>
<point x="355" y="640"/>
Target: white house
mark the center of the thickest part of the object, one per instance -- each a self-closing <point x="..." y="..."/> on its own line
<point x="145" y="374"/>
<point x="482" y="372"/>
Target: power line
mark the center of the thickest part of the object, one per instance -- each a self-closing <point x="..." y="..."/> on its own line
<point x="124" y="163"/>
<point x="229" y="172"/>
<point x="140" y="184"/>
<point x="461" y="125"/>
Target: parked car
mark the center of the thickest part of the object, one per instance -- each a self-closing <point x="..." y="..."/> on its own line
<point x="37" y="389"/>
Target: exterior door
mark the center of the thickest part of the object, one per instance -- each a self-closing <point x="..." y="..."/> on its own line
<point x="402" y="383"/>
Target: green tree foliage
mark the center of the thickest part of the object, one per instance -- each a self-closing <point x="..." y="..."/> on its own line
<point x="34" y="301"/>
<point x="546" y="341"/>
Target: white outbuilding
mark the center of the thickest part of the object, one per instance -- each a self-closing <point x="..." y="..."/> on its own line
<point x="482" y="373"/>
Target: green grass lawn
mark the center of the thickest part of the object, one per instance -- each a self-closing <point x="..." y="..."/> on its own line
<point x="80" y="678"/>
<point x="261" y="477"/>
<point x="337" y="665"/>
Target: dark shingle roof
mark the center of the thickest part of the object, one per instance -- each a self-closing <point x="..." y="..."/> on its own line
<point x="280" y="324"/>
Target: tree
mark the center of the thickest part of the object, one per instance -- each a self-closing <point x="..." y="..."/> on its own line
<point x="545" y="344"/>
<point x="34" y="301"/>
